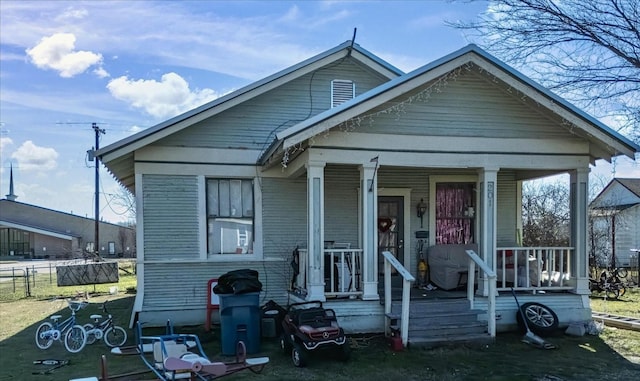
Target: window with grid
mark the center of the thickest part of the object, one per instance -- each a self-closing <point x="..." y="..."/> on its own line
<point x="230" y="216"/>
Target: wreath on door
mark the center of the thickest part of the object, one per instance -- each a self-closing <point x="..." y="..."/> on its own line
<point x="384" y="224"/>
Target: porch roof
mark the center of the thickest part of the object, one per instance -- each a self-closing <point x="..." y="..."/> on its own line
<point x="610" y="142"/>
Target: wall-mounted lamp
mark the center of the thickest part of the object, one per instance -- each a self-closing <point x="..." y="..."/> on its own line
<point x="421" y="209"/>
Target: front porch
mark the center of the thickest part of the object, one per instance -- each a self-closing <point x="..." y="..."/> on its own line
<point x="432" y="317"/>
<point x="530" y="269"/>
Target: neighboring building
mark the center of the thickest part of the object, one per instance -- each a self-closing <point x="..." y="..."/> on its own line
<point x="345" y="157"/>
<point x="32" y="232"/>
<point x="616" y="213"/>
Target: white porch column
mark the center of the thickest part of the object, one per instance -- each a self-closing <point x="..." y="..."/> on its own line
<point x="315" y="230"/>
<point x="579" y="214"/>
<point x="487" y="221"/>
<point x="369" y="233"/>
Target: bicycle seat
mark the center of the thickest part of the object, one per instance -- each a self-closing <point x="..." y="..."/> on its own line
<point x="55" y="317"/>
<point x="95" y="317"/>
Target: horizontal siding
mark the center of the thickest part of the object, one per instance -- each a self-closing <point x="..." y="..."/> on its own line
<point x="569" y="307"/>
<point x="472" y="105"/>
<point x="170" y="206"/>
<point x="341" y="204"/>
<point x="506" y="209"/>
<point x="627" y="234"/>
<point x="183" y="286"/>
<point x="253" y="124"/>
<point x="284" y="216"/>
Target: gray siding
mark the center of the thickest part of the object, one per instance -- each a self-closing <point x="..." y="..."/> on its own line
<point x="507" y="213"/>
<point x="183" y="286"/>
<point x="170" y="206"/>
<point x="284" y="216"/>
<point x="627" y="234"/>
<point x="253" y="124"/>
<point x="469" y="106"/>
<point x="341" y="204"/>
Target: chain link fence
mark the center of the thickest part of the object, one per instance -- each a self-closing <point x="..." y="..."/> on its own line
<point x="39" y="278"/>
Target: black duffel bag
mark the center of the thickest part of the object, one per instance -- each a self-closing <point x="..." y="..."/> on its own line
<point x="238" y="282"/>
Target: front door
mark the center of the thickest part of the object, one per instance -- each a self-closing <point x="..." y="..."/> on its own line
<point x="390" y="228"/>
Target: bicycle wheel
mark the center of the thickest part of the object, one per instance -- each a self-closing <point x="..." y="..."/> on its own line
<point x="115" y="336"/>
<point x="44" y="339"/>
<point x="75" y="339"/>
<point x="612" y="292"/>
<point x="91" y="338"/>
<point x="622" y="272"/>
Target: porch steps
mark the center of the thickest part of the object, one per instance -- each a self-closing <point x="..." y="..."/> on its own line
<point x="441" y="322"/>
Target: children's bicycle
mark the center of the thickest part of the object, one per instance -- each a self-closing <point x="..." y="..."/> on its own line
<point x="113" y="335"/>
<point x="75" y="337"/>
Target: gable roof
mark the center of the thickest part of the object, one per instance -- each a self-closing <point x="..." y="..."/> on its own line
<point x="118" y="157"/>
<point x="633" y="185"/>
<point x="607" y="200"/>
<point x="605" y="141"/>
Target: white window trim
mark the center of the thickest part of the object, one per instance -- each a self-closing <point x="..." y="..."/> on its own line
<point x="257" y="225"/>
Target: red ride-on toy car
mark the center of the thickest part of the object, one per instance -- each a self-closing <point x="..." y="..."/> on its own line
<point x="308" y="327"/>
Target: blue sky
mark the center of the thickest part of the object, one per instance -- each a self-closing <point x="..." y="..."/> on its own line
<point x="128" y="65"/>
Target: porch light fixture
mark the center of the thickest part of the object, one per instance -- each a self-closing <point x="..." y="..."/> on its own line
<point x="421" y="210"/>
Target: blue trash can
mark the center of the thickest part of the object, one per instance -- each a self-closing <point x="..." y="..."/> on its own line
<point x="240" y="320"/>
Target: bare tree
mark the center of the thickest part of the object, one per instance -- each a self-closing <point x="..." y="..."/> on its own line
<point x="587" y="50"/>
<point x="125" y="203"/>
<point x="545" y="214"/>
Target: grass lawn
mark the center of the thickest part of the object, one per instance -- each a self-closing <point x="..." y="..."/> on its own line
<point x="613" y="355"/>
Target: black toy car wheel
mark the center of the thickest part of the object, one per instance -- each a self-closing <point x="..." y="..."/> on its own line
<point x="299" y="356"/>
<point x="285" y="345"/>
<point x="344" y="352"/>
<point x="541" y="319"/>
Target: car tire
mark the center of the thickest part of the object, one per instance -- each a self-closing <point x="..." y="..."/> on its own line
<point x="299" y="356"/>
<point x="541" y="319"/>
<point x="344" y="353"/>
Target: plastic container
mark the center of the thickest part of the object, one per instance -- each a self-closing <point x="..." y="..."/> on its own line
<point x="270" y="323"/>
<point x="240" y="320"/>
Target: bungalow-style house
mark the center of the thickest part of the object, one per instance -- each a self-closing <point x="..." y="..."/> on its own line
<point x="335" y="177"/>
<point x="616" y="213"/>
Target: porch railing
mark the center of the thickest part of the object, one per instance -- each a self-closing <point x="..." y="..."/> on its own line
<point x="534" y="268"/>
<point x="474" y="260"/>
<point x="342" y="270"/>
<point x="389" y="262"/>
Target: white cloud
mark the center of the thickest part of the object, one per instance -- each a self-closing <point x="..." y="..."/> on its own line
<point x="162" y="99"/>
<point x="72" y="14"/>
<point x="135" y="129"/>
<point x="101" y="73"/>
<point x="32" y="157"/>
<point x="57" y="52"/>
<point x="4" y="143"/>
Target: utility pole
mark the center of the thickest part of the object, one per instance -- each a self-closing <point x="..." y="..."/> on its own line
<point x="96" y="243"/>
